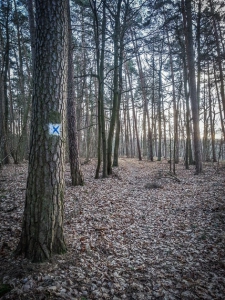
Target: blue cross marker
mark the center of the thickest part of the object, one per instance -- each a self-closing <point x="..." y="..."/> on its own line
<point x="54" y="129"/>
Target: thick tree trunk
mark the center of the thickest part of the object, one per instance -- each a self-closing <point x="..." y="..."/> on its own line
<point x="42" y="228"/>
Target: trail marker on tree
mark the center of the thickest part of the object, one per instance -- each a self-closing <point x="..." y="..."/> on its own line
<point x="54" y="129"/>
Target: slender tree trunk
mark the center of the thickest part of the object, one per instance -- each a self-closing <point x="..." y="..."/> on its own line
<point x="219" y="57"/>
<point x="126" y="131"/>
<point x="117" y="142"/>
<point x="150" y="143"/>
<point x="206" y="124"/>
<point x="211" y="118"/>
<point x="32" y="28"/>
<point x="115" y="87"/>
<point x="120" y="78"/>
<point x="159" y="113"/>
<point x="198" y="38"/>
<point x="100" y="54"/>
<point x="175" y="110"/>
<point x="188" y="152"/>
<point x="75" y="168"/>
<point x="132" y="146"/>
<point x="219" y="102"/>
<point x="193" y="92"/>
<point x="5" y="146"/>
<point x="20" y="150"/>
<point x="134" y="115"/>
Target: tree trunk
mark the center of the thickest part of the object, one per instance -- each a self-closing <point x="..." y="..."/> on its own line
<point x="120" y="78"/>
<point x="42" y="228"/>
<point x="150" y="145"/>
<point x="134" y="115"/>
<point x="100" y="56"/>
<point x="188" y="151"/>
<point x="212" y="129"/>
<point x="175" y="110"/>
<point x="198" y="38"/>
<point x="4" y="101"/>
<point x="159" y="116"/>
<point x="75" y="168"/>
<point x="218" y="58"/>
<point x="115" y="87"/>
<point x="193" y="92"/>
<point x="32" y="28"/>
<point x="219" y="102"/>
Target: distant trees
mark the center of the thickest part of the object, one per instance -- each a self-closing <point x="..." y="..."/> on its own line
<point x="133" y="86"/>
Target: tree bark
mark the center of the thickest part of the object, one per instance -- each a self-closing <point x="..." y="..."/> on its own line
<point x="42" y="228"/>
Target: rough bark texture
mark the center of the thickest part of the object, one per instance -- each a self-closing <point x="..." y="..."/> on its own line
<point x="42" y="228"/>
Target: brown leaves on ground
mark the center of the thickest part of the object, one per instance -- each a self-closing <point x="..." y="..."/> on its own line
<point x="127" y="239"/>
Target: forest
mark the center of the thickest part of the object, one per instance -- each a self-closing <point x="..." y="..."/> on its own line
<point x="112" y="149"/>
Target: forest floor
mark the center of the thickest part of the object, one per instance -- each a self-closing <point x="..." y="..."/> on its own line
<point x="139" y="234"/>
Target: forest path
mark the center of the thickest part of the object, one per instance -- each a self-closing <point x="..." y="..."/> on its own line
<point x="125" y="241"/>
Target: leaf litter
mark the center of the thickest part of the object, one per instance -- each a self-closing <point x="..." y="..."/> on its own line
<point x="139" y="234"/>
